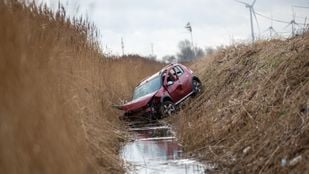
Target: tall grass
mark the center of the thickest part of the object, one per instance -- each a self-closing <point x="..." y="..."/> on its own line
<point x="56" y="89"/>
<point x="253" y="114"/>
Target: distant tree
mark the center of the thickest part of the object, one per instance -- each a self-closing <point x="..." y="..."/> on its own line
<point x="169" y="59"/>
<point x="219" y="47"/>
<point x="199" y="52"/>
<point x="152" y="57"/>
<point x="209" y="50"/>
<point x="187" y="53"/>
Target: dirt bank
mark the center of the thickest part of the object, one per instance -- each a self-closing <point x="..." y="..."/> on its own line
<point x="56" y="91"/>
<point x="253" y="114"/>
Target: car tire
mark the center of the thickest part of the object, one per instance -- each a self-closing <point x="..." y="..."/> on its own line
<point x="196" y="87"/>
<point x="167" y="108"/>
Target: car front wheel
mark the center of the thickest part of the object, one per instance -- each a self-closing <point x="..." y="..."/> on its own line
<point x="167" y="108"/>
<point x="196" y="87"/>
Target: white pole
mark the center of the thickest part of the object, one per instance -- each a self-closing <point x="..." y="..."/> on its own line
<point x="251" y="22"/>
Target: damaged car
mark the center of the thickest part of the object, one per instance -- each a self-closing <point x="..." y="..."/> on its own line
<point x="158" y="95"/>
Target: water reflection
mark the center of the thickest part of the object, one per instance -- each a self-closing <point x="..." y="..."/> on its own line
<point x="155" y="150"/>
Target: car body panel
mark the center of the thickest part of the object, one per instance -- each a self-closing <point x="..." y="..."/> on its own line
<point x="138" y="103"/>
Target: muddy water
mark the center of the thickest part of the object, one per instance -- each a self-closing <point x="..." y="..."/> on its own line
<point x="155" y="150"/>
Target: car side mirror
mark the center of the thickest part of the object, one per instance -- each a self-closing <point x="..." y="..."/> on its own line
<point x="169" y="83"/>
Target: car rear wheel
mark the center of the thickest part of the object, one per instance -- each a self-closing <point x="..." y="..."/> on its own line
<point x="167" y="108"/>
<point x="196" y="87"/>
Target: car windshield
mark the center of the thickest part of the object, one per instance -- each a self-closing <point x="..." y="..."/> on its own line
<point x="150" y="86"/>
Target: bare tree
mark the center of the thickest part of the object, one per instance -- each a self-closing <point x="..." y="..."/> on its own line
<point x="209" y="50"/>
<point x="187" y="53"/>
<point x="169" y="59"/>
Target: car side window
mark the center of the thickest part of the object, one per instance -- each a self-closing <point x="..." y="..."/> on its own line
<point x="171" y="75"/>
<point x="179" y="70"/>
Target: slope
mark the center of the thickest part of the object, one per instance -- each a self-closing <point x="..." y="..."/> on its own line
<point x="252" y="116"/>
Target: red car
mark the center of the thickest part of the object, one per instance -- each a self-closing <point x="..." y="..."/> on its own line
<point x="157" y="95"/>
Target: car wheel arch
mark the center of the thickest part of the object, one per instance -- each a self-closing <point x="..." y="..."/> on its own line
<point x="196" y="78"/>
<point x="166" y="98"/>
<point x="196" y="86"/>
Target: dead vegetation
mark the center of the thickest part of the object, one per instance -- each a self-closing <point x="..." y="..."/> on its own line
<point x="56" y="91"/>
<point x="252" y="116"/>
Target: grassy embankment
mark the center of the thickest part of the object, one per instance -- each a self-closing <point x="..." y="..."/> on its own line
<point x="253" y="114"/>
<point x="56" y="91"/>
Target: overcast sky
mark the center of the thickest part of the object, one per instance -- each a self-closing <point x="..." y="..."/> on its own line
<point x="161" y="22"/>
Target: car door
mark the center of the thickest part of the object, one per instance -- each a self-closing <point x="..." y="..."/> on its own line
<point x="184" y="78"/>
<point x="174" y="85"/>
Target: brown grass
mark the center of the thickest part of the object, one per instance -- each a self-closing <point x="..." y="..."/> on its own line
<point x="56" y="91"/>
<point x="253" y="113"/>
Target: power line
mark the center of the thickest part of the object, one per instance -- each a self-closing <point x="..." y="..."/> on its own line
<point x="297" y="6"/>
<point x="300" y="17"/>
<point x="275" y="20"/>
<point x="272" y="19"/>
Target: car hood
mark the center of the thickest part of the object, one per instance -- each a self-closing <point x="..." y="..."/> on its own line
<point x="137" y="103"/>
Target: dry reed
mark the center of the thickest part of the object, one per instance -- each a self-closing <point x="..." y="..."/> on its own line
<point x="56" y="91"/>
<point x="253" y="114"/>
